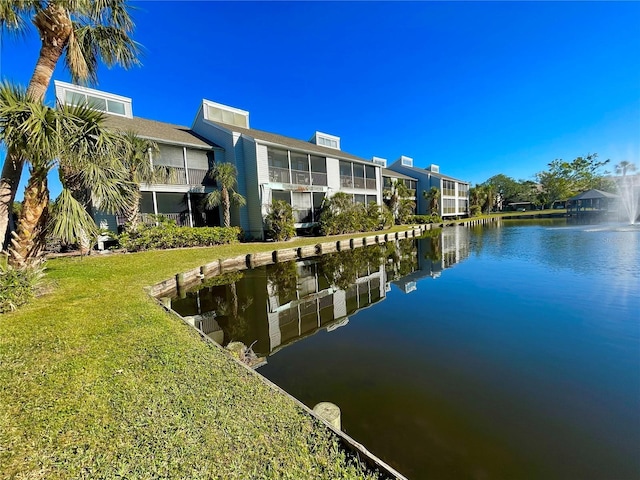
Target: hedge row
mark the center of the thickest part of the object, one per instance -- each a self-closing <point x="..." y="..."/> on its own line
<point x="170" y="236"/>
<point x="425" y="219"/>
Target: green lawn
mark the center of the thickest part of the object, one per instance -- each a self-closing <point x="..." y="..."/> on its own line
<point x="97" y="381"/>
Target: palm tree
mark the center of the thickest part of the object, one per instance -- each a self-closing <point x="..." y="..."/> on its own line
<point x="84" y="32"/>
<point x="624" y="166"/>
<point x="396" y="191"/>
<point x="137" y="161"/>
<point x="71" y="137"/>
<point x="225" y="175"/>
<point x="433" y="200"/>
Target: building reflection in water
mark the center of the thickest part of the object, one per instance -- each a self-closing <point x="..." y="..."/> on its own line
<point x="276" y="305"/>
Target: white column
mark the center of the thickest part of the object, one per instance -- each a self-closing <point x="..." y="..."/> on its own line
<point x="186" y="168"/>
<point x="190" y="211"/>
<point x="155" y="204"/>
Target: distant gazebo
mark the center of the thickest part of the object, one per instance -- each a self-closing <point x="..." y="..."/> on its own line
<point x="592" y="202"/>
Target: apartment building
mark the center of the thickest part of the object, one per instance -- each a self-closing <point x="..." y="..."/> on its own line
<point x="186" y="155"/>
<point x="454" y="193"/>
<point x="277" y="167"/>
<point x="270" y="167"/>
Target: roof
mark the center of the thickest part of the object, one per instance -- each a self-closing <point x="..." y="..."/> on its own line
<point x="292" y="143"/>
<point x="592" y="194"/>
<point x="391" y="173"/>
<point x="159" y="131"/>
<point x="424" y="171"/>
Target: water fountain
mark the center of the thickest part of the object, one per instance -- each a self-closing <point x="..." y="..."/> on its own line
<point x="629" y="190"/>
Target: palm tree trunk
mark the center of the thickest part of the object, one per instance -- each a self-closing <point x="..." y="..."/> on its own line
<point x="28" y="241"/>
<point x="132" y="212"/>
<point x="55" y="28"/>
<point x="226" y="205"/>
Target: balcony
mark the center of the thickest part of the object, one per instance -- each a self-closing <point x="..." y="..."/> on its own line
<point x="181" y="219"/>
<point x="279" y="175"/>
<point x="319" y="178"/>
<point x="178" y="176"/>
<point x="298" y="177"/>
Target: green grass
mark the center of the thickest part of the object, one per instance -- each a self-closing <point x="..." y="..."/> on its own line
<point x="97" y="381"/>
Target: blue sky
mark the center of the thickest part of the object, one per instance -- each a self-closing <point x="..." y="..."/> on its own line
<point x="477" y="88"/>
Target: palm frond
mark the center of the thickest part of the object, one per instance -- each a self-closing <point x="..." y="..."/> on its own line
<point x="69" y="220"/>
<point x="28" y="127"/>
<point x="105" y="43"/>
<point x="212" y="200"/>
<point x="237" y="199"/>
<point x="14" y="15"/>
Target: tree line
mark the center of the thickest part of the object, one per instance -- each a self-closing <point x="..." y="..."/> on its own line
<point x="559" y="182"/>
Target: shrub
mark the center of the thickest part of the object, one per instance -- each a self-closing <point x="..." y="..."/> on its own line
<point x="340" y="215"/>
<point x="17" y="285"/>
<point x="425" y="219"/>
<point x="476" y="210"/>
<point x="280" y="222"/>
<point x="171" y="236"/>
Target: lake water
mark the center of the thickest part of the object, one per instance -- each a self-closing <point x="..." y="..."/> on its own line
<point x="501" y="352"/>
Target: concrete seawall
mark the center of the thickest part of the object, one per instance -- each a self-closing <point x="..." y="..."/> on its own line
<point x="191" y="278"/>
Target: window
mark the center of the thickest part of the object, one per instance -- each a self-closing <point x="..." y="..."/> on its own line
<point x="358" y="175"/>
<point x="282" y="196"/>
<point x="97" y="103"/>
<point x="345" y="169"/>
<point x="299" y="161"/>
<point x="407" y="162"/>
<point x="327" y="142"/>
<point x="410" y="184"/>
<point x="463" y="189"/>
<point x="372" y="199"/>
<point x="359" y="198"/>
<point x="277" y="158"/>
<point x="318" y="170"/>
<point x="115" y="107"/>
<point x="462" y="205"/>
<point x="448" y="205"/>
<point x="222" y="115"/>
<point x="448" y="188"/>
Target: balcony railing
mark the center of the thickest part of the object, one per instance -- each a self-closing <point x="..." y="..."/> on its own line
<point x="181" y="219"/>
<point x="357" y="182"/>
<point x="319" y="178"/>
<point x="346" y="181"/>
<point x="177" y="176"/>
<point x="198" y="176"/>
<point x="300" y="177"/>
<point x="279" y="175"/>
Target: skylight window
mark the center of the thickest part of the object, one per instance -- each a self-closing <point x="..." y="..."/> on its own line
<point x="70" y="94"/>
<point x="223" y="114"/>
<point x="326" y="140"/>
<point x="406" y="161"/>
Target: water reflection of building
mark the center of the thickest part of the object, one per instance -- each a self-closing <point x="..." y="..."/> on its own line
<point x="279" y="304"/>
<point x="440" y="250"/>
<point x="318" y="304"/>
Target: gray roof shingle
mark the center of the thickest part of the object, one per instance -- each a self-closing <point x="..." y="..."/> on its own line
<point x="159" y="131"/>
<point x="391" y="173"/>
<point x="292" y="143"/>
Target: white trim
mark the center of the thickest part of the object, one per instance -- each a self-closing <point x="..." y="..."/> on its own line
<point x="61" y="88"/>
